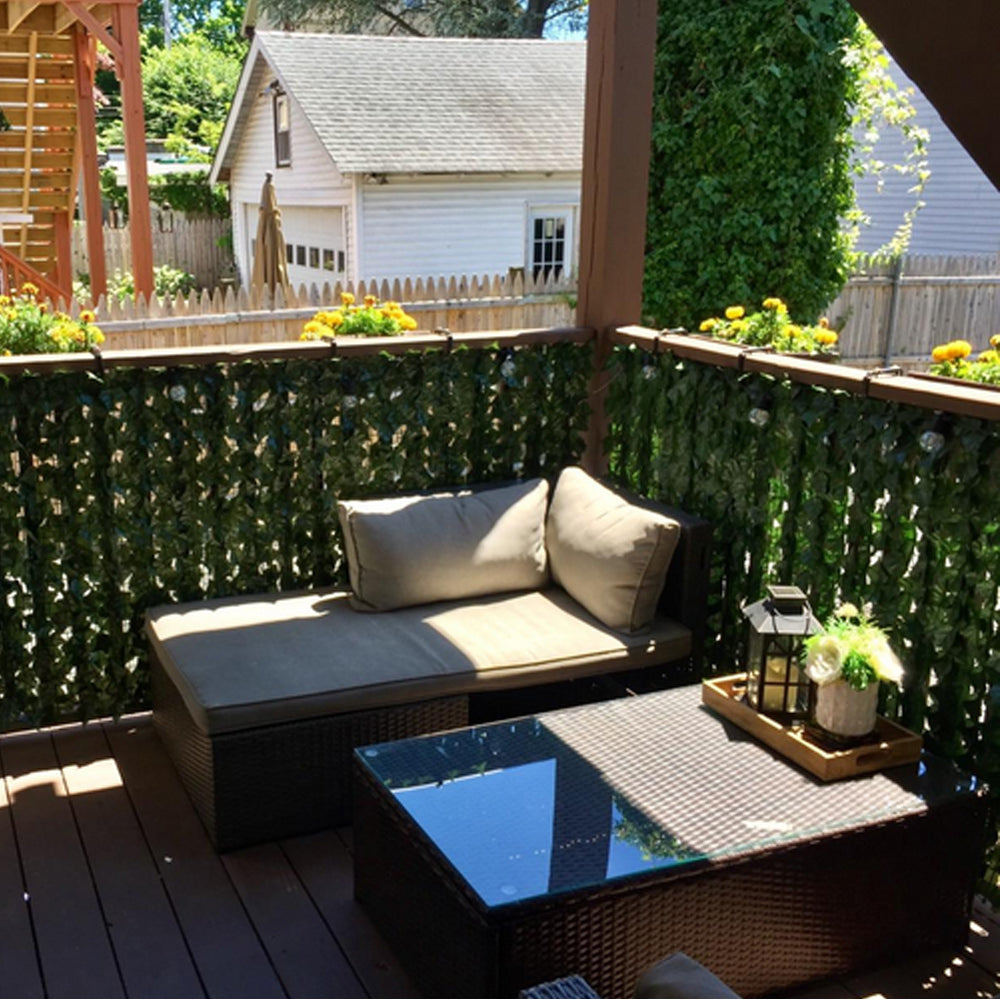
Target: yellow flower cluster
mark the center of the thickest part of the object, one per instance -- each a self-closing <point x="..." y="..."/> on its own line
<point x="951" y="351"/>
<point x="771" y="325"/>
<point x="27" y="326"/>
<point x="953" y="360"/>
<point x="372" y="318"/>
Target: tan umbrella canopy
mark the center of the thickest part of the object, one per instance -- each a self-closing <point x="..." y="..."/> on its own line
<point x="270" y="269"/>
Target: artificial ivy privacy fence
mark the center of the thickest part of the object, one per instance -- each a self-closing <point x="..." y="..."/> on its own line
<point x="851" y="498"/>
<point x="126" y="487"/>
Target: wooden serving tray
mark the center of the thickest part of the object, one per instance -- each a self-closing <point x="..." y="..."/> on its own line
<point x="893" y="744"/>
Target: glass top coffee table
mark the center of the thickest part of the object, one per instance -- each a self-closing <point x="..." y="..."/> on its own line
<point x="596" y="840"/>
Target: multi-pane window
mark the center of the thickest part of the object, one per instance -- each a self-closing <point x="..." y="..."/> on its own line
<point x="548" y="246"/>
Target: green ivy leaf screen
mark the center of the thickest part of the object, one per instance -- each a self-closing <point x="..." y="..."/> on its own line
<point x="835" y="493"/>
<point x="124" y="490"/>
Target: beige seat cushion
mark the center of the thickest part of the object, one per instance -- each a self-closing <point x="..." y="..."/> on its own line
<point x="609" y="554"/>
<point x="414" y="550"/>
<point x="244" y="662"/>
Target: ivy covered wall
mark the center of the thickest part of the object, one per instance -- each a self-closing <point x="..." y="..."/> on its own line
<point x="852" y="499"/>
<point x="122" y="490"/>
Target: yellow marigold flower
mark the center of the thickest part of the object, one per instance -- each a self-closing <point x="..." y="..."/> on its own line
<point x="823" y="322"/>
<point x="4" y="299"/>
<point x="335" y="319"/>
<point x="996" y="341"/>
<point x="408" y="322"/>
<point x="739" y="326"/>
<point x="7" y="352"/>
<point x="734" y="312"/>
<point x="991" y="357"/>
<point x="773" y="303"/>
<point x="28" y="288"/>
<point x="708" y="324"/>
<point x="347" y="299"/>
<point x="371" y="300"/>
<point x="791" y="330"/>
<point x="97" y="335"/>
<point x="827" y="337"/>
<point x="43" y="307"/>
<point x="314" y="327"/>
<point x="87" y="316"/>
<point x="940" y="353"/>
<point x="959" y="349"/>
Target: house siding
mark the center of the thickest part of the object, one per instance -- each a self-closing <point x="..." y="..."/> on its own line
<point x="961" y="210"/>
<point x="312" y="180"/>
<point x="431" y="227"/>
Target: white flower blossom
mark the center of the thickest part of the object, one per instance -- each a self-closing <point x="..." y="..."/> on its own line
<point x="823" y="662"/>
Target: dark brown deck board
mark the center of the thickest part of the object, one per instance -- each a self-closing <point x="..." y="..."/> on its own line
<point x="226" y="949"/>
<point x="22" y="976"/>
<point x="152" y="954"/>
<point x="307" y="958"/>
<point x="326" y="869"/>
<point x="76" y="954"/>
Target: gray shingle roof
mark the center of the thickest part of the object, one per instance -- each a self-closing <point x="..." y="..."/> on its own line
<point x="436" y="105"/>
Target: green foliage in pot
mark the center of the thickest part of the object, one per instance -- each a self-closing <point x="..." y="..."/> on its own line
<point x="852" y="648"/>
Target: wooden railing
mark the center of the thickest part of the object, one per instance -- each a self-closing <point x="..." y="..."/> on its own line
<point x="14" y="273"/>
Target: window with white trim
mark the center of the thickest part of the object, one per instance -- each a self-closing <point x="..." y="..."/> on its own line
<point x="283" y="129"/>
<point x="550" y="242"/>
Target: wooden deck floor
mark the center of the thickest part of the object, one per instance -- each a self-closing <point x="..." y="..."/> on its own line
<point x="110" y="888"/>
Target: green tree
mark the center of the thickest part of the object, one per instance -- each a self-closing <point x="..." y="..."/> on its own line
<point x="471" y="18"/>
<point x="219" y="21"/>
<point x="751" y="175"/>
<point x="187" y="90"/>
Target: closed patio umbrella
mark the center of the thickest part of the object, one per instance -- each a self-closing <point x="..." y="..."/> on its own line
<point x="269" y="246"/>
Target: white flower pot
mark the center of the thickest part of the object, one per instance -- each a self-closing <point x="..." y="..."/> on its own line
<point x="845" y="711"/>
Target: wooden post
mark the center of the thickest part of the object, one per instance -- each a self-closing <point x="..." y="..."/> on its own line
<point x="84" y="63"/>
<point x="622" y="38"/>
<point x="126" y="28"/>
<point x="62" y="234"/>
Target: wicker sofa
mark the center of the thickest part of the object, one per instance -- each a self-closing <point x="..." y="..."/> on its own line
<point x="455" y="596"/>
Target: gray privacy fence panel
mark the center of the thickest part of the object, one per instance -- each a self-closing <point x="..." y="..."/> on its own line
<point x="896" y="312"/>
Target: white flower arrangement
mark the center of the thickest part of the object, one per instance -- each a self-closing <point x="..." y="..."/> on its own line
<point x="853" y="648"/>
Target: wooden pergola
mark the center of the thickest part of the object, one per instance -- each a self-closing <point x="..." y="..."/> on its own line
<point x="48" y="57"/>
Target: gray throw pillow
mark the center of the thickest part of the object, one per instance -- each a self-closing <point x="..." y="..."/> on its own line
<point x="413" y="550"/>
<point x="609" y="555"/>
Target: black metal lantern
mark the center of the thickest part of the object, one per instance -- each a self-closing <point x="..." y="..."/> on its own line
<point x="777" y="629"/>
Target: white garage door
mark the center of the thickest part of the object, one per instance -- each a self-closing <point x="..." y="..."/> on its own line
<point x="314" y="242"/>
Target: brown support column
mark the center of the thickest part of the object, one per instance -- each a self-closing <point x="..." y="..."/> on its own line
<point x="84" y="62"/>
<point x="63" y="235"/>
<point x="126" y="28"/>
<point x="622" y="37"/>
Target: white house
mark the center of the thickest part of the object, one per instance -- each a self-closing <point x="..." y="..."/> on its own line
<point x="961" y="208"/>
<point x="399" y="157"/>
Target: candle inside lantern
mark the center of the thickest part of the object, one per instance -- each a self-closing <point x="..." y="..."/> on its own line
<point x="775" y="695"/>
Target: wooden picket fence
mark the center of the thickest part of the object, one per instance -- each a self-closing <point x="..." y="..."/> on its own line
<point x="887" y="313"/>
<point x="895" y="313"/>
<point x="229" y="316"/>
<point x="202" y="247"/>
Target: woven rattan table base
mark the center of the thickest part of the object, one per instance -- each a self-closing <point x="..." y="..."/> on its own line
<point x="761" y="919"/>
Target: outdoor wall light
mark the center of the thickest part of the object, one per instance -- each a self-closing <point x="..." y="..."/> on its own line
<point x="778" y="627"/>
<point x="759" y="417"/>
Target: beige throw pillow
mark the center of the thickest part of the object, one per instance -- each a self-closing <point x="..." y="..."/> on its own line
<point x="414" y="550"/>
<point x="608" y="554"/>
